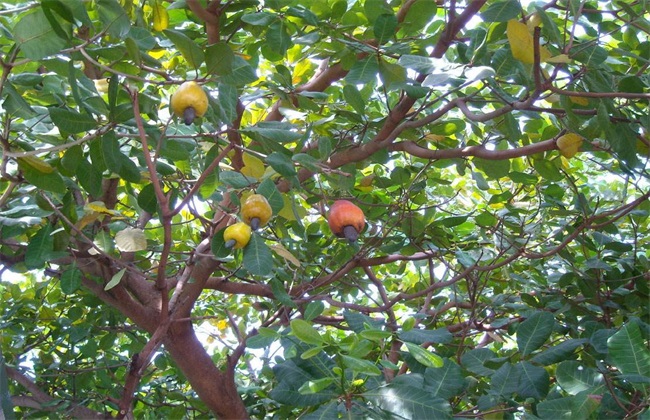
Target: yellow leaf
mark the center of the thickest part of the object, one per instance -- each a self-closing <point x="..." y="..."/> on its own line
<point x="522" y="44"/>
<point x="435" y="137"/>
<point x="157" y="54"/>
<point x="284" y="253"/>
<point x="579" y="100"/>
<point x="534" y="21"/>
<point x="101" y="85"/>
<point x="253" y="166"/>
<point x="99" y="207"/>
<point x="37" y="164"/>
<point x="560" y="58"/>
<point x="87" y="219"/>
<point x="160" y="17"/>
<point x="131" y="240"/>
<point x="569" y="144"/>
<point x="365" y="183"/>
<point x="301" y="71"/>
<point x="287" y="210"/>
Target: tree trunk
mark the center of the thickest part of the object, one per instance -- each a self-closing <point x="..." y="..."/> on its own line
<point x="216" y="389"/>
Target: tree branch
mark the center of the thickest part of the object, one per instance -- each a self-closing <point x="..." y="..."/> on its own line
<point x="40" y="400"/>
<point x="479" y="151"/>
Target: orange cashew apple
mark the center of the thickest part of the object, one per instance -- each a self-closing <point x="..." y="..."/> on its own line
<point x="346" y="220"/>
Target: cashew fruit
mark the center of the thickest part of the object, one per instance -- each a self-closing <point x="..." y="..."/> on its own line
<point x="237" y="236"/>
<point x="189" y="101"/>
<point x="346" y="220"/>
<point x="256" y="211"/>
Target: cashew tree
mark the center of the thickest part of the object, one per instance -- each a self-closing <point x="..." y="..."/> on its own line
<point x="487" y="256"/>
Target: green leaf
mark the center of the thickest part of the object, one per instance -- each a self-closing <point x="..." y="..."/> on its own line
<point x="280" y="293"/>
<point x="494" y="169"/>
<point x="242" y="73"/>
<point x="313" y="310"/>
<point x="52" y="181"/>
<point x="5" y="398"/>
<point x="424" y="356"/>
<point x="36" y="36"/>
<point x="14" y="103"/>
<point x="279" y="132"/>
<point x="114" y="18"/>
<point x="133" y="50"/>
<point x="474" y="361"/>
<point x="421" y="64"/>
<point x="375" y="335"/>
<point x="628" y="352"/>
<point x="281" y="163"/>
<point x="312" y="352"/>
<point x="409" y="402"/>
<point x="363" y="72"/>
<point x="219" y="59"/>
<point x="129" y="171"/>
<point x="589" y="55"/>
<point x="260" y="341"/>
<point x="354" y="99"/>
<point x="315" y="386"/>
<point x="39" y="248"/>
<point x="258" y="259"/>
<point x="418" y="16"/>
<point x="445" y="382"/>
<point x="556" y="409"/>
<point x="218" y="245"/>
<point x="235" y="179"/>
<point x="71" y="121"/>
<point x="584" y="405"/>
<point x="147" y="199"/>
<point x="357" y="322"/>
<point x="534" y="331"/>
<point x="71" y="280"/>
<point x="226" y="104"/>
<point x="111" y="152"/>
<point x="505" y="381"/>
<point x="547" y="170"/>
<point x="574" y="377"/>
<point x="360" y="366"/>
<point x="259" y="18"/>
<point x="115" y="280"/>
<point x="90" y="178"/>
<point x="305" y="332"/>
<point x="392" y="75"/>
<point x="192" y="53"/>
<point x="104" y="241"/>
<point x="384" y="27"/>
<point x="534" y="381"/>
<point x="558" y="353"/>
<point x="439" y="336"/>
<point x="549" y="28"/>
<point x="502" y="11"/>
<point x="307" y="161"/>
<point x="269" y="190"/>
<point x="278" y="38"/>
<point x="291" y="378"/>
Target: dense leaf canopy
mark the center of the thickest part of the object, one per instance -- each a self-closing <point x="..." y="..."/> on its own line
<point x="498" y="150"/>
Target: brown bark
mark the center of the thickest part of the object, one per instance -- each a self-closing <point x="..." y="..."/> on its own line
<point x="216" y="388"/>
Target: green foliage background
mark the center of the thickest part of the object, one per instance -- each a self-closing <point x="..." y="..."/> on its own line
<point x="495" y="278"/>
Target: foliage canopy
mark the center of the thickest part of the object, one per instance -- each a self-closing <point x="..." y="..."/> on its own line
<point x="496" y="277"/>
